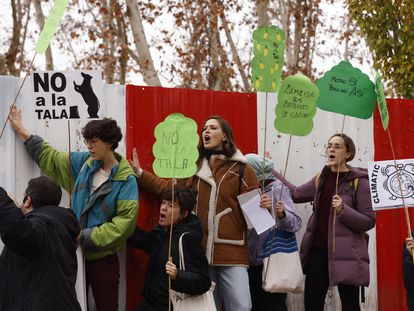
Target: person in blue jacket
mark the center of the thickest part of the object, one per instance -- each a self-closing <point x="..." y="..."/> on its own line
<point x="104" y="198"/>
<point x="194" y="280"/>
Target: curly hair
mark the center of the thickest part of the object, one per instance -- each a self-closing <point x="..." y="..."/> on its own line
<point x="106" y="130"/>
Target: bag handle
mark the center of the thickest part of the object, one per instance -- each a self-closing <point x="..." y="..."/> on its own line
<point x="181" y="252"/>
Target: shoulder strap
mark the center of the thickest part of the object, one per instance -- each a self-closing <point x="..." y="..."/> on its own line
<point x="317" y="180"/>
<point x="356" y="183"/>
<point x="241" y="173"/>
<point x="181" y="252"/>
<point x="353" y="184"/>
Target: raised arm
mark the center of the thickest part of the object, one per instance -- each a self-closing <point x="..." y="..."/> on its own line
<point x="300" y="194"/>
<point x="22" y="235"/>
<point x="289" y="220"/>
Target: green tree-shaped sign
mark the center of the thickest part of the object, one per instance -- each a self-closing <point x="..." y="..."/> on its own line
<point x="296" y="105"/>
<point x="175" y="149"/>
<point x="267" y="63"/>
<point x="382" y="104"/>
<point x="346" y="90"/>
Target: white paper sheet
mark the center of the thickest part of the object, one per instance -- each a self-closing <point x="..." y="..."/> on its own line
<point x="259" y="217"/>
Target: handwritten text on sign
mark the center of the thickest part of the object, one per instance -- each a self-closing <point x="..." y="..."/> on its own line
<point x="296" y="105"/>
<point x="346" y="90"/>
<point x="267" y="63"/>
<point x="175" y="149"/>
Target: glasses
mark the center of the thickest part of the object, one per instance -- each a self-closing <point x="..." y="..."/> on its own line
<point x="91" y="143"/>
<point x="335" y="147"/>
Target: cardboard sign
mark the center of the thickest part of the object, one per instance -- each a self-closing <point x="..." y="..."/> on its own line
<point x="67" y="95"/>
<point x="382" y="103"/>
<point x="51" y="24"/>
<point x="347" y="90"/>
<point x="296" y="105"/>
<point x="267" y="63"/>
<point x="175" y="149"/>
<point x="384" y="184"/>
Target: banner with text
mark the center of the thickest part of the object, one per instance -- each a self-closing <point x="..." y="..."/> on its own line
<point x="67" y="94"/>
<point x="386" y="192"/>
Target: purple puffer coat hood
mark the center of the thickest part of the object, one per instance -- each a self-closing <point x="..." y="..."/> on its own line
<point x="349" y="264"/>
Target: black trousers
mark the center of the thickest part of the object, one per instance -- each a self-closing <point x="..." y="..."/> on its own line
<point x="317" y="283"/>
<point x="262" y="300"/>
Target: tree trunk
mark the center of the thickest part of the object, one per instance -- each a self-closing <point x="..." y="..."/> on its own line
<point x="14" y="47"/>
<point x="262" y="12"/>
<point x="145" y="61"/>
<point x="235" y="53"/>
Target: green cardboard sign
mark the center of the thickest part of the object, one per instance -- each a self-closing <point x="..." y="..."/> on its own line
<point x="51" y="24"/>
<point x="296" y="105"/>
<point x="382" y="104"/>
<point x="267" y="63"/>
<point x="175" y="149"/>
<point x="346" y="90"/>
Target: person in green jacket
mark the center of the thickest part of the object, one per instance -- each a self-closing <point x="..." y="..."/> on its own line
<point x="104" y="198"/>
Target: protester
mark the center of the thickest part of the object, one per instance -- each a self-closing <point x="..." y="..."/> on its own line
<point x="38" y="263"/>
<point x="341" y="259"/>
<point x="408" y="272"/>
<point x="104" y="198"/>
<point x="194" y="280"/>
<point x="286" y="219"/>
<point x="223" y="173"/>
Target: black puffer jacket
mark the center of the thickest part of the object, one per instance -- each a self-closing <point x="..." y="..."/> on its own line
<point x="194" y="280"/>
<point x="38" y="264"/>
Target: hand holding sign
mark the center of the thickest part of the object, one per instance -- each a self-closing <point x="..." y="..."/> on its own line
<point x="296" y="105"/>
<point x="346" y="90"/>
<point x="267" y="63"/>
<point x="51" y="25"/>
<point x="382" y="104"/>
<point x="175" y="149"/>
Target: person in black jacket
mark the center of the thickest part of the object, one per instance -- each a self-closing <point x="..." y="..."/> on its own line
<point x="194" y="280"/>
<point x="38" y="263"/>
<point x="408" y="272"/>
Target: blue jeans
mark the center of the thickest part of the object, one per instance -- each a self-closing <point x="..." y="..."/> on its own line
<point x="232" y="287"/>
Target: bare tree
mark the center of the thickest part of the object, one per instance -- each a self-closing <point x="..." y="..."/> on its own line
<point x="144" y="56"/>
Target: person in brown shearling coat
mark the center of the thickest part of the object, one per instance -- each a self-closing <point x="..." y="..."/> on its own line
<point x="223" y="173"/>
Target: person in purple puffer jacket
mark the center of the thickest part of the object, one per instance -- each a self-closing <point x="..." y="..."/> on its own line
<point x="334" y="249"/>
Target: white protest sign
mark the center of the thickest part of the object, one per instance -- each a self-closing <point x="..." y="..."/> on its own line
<point x="58" y="95"/>
<point x="384" y="184"/>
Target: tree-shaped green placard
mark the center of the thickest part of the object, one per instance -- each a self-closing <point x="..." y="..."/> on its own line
<point x="382" y="104"/>
<point x="51" y="25"/>
<point x="296" y="105"/>
<point x="267" y="63"/>
<point x="175" y="149"/>
<point x="346" y="90"/>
